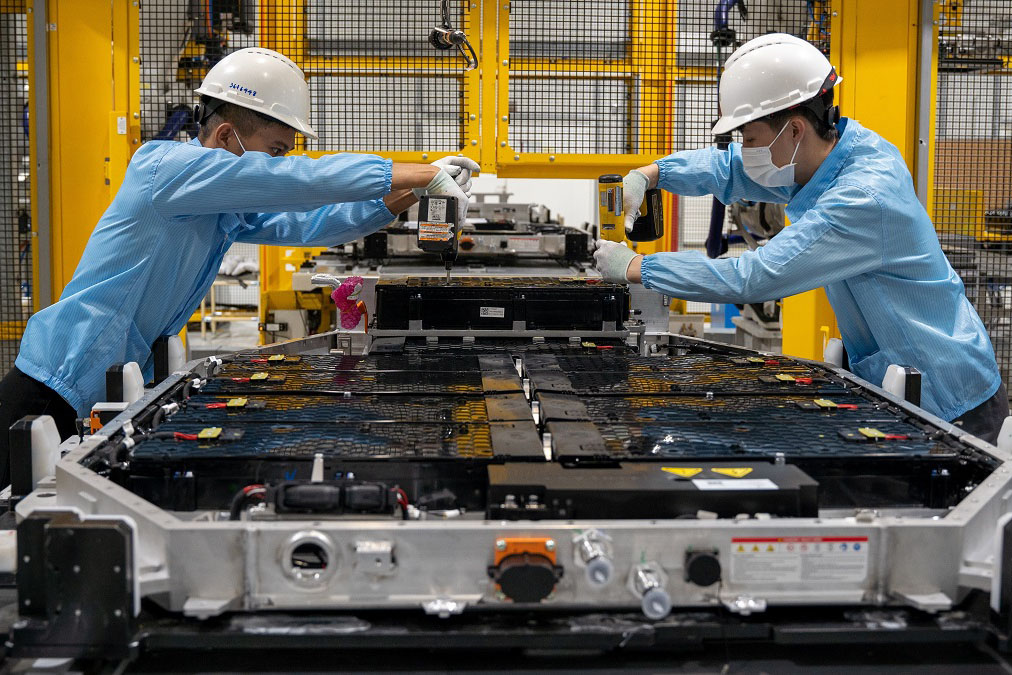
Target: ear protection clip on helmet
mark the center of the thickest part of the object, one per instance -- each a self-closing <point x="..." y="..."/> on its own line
<point x="203" y="110"/>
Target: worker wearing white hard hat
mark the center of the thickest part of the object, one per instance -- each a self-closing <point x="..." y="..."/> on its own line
<point x="858" y="230"/>
<point x="155" y="252"/>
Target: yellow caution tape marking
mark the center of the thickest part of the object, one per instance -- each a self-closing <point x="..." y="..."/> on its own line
<point x="258" y="376"/>
<point x="684" y="472"/>
<point x="733" y="473"/>
<point x="237" y="403"/>
<point x="824" y="403"/>
<point x="871" y="433"/>
<point x="210" y="432"/>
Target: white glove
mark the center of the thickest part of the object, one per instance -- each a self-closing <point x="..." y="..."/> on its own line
<point x="634" y="187"/>
<point x="612" y="260"/>
<point x="459" y="168"/>
<point x="443" y="184"/>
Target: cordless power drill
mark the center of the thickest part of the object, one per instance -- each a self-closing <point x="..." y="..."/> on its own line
<point x="438" y="229"/>
<point x="649" y="224"/>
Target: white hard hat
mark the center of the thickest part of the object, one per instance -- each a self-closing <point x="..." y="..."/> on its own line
<point x="265" y="81"/>
<point x="768" y="74"/>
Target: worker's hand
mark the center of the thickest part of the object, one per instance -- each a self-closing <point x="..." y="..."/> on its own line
<point x="443" y="184"/>
<point x="634" y="187"/>
<point x="612" y="260"/>
<point x="459" y="168"/>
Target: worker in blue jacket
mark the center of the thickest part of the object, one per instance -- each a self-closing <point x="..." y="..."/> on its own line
<point x="857" y="229"/>
<point x="158" y="247"/>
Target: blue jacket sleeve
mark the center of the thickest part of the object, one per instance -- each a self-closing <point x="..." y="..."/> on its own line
<point x="840" y="237"/>
<point x="327" y="226"/>
<point x="190" y="180"/>
<point x="709" y="171"/>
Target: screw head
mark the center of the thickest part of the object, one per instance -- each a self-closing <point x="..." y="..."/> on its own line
<point x="551" y="158"/>
<point x="500" y="544"/>
<point x="502" y="144"/>
<point x="505" y="62"/>
<point x="516" y="158"/>
<point x="505" y="118"/>
<point x="474" y="141"/>
<point x="550" y="545"/>
<point x="473" y="116"/>
<point x="425" y="155"/>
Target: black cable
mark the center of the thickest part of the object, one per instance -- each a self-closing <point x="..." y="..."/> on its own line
<point x="242" y="498"/>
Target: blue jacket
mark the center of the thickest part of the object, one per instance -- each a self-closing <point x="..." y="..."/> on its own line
<point x="157" y="248"/>
<point x="859" y="231"/>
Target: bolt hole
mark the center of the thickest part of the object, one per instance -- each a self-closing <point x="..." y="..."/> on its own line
<point x="309" y="556"/>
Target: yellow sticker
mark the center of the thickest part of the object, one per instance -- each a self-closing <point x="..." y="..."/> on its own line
<point x="210" y="432"/>
<point x="871" y="432"/>
<point x="236" y="403"/>
<point x="741" y="549"/>
<point x="770" y="549"/>
<point x="824" y="403"/>
<point x="684" y="472"/>
<point x="733" y="473"/>
<point x="258" y="376"/>
<point x="276" y="357"/>
<point x="785" y="378"/>
<point x="589" y="345"/>
<point x="756" y="359"/>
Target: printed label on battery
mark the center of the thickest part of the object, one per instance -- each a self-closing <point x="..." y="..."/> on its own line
<point x="799" y="559"/>
<point x="734" y="484"/>
<point x="437" y="210"/>
<point x="434" y="232"/>
<point x="492" y="312"/>
<point x="525" y="244"/>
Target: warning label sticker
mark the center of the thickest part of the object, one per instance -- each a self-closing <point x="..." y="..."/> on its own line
<point x="437" y="210"/>
<point x="799" y="559"/>
<point x="434" y="232"/>
<point x="525" y="244"/>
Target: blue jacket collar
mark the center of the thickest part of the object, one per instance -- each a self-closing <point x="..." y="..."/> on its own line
<point x="805" y="198"/>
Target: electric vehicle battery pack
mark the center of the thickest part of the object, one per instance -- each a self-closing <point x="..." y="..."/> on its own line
<point x="474" y="303"/>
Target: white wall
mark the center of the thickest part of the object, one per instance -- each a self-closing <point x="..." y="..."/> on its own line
<point x="573" y="199"/>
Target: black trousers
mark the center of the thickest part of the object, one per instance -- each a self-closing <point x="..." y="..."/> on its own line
<point x="22" y="395"/>
<point x="985" y="420"/>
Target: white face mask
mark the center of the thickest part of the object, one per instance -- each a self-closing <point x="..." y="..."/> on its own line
<point x="244" y="147"/>
<point x="759" y="166"/>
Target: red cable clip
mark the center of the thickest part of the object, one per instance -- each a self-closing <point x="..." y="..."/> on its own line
<point x="240" y="379"/>
<point x="215" y="406"/>
<point x="180" y="436"/>
<point x="803" y="380"/>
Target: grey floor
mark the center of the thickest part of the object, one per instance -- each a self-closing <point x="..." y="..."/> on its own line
<point x="227" y="337"/>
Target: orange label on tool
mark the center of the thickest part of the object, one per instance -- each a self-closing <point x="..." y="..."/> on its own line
<point x="435" y="232"/>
